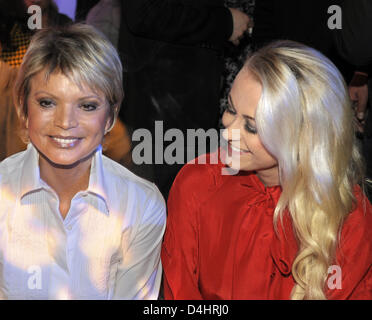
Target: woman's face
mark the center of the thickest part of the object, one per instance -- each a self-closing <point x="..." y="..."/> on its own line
<point x="65" y="123"/>
<point x="245" y="148"/>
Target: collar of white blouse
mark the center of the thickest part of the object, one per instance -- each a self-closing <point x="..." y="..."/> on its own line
<point x="31" y="181"/>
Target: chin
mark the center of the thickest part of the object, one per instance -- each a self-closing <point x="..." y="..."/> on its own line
<point x="65" y="159"/>
<point x="234" y="166"/>
<point x="238" y="163"/>
<point x="62" y="162"/>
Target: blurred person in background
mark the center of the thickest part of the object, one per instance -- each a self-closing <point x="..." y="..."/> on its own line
<point x="354" y="43"/>
<point x="10" y="142"/>
<point x="16" y="13"/>
<point x="106" y="17"/>
<point x="50" y="15"/>
<point x="172" y="52"/>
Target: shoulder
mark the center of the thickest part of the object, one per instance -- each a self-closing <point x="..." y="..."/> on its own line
<point x="138" y="190"/>
<point x="10" y="166"/>
<point x="204" y="170"/>
<point x="199" y="177"/>
<point x="362" y="210"/>
<point x="354" y="254"/>
<point x="10" y="177"/>
<point x="357" y="227"/>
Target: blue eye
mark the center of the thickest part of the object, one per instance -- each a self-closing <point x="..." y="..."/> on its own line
<point x="46" y="103"/>
<point x="88" y="106"/>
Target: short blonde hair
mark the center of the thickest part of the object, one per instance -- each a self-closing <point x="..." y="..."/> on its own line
<point x="79" y="52"/>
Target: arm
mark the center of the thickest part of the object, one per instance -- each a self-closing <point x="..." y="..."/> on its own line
<point x="354" y="256"/>
<point x="139" y="273"/>
<point x="353" y="42"/>
<point x="358" y="91"/>
<point x="178" y="22"/>
<point x="241" y="23"/>
<point x="180" y="252"/>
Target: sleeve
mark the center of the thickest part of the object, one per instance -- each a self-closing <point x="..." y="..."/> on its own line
<point x="179" y="22"/>
<point x="353" y="40"/>
<point x="139" y="273"/>
<point x="180" y="251"/>
<point x="351" y="277"/>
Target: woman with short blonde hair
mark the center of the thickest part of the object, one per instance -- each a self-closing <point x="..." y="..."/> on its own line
<point x="74" y="224"/>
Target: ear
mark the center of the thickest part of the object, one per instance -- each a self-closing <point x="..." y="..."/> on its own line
<point x="111" y="119"/>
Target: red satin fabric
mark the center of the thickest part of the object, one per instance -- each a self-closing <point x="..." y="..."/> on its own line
<point x="220" y="241"/>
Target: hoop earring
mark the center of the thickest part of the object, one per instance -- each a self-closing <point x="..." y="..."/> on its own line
<point x="112" y="125"/>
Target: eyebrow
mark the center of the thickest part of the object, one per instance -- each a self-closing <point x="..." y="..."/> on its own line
<point x="244" y="115"/>
<point x="80" y="99"/>
<point x="44" y="92"/>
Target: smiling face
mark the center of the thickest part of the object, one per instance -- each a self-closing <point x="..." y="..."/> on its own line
<point x="65" y="123"/>
<point x="247" y="148"/>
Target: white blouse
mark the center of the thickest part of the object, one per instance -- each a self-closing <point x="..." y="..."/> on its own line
<point x="107" y="247"/>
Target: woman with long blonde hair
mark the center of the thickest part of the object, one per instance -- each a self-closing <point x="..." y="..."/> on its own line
<point x="293" y="223"/>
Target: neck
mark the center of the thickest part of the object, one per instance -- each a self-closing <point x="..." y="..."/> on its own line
<point x="269" y="177"/>
<point x="66" y="181"/>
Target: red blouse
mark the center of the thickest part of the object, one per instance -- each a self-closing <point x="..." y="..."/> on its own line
<point x="220" y="241"/>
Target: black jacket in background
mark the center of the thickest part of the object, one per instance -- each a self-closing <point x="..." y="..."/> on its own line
<point x="147" y="25"/>
<point x="301" y="21"/>
<point x="354" y="40"/>
<point x="171" y="52"/>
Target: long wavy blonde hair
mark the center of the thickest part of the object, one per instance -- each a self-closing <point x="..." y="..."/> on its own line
<point x="304" y="118"/>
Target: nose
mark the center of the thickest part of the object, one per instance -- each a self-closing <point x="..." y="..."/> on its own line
<point x="65" y="117"/>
